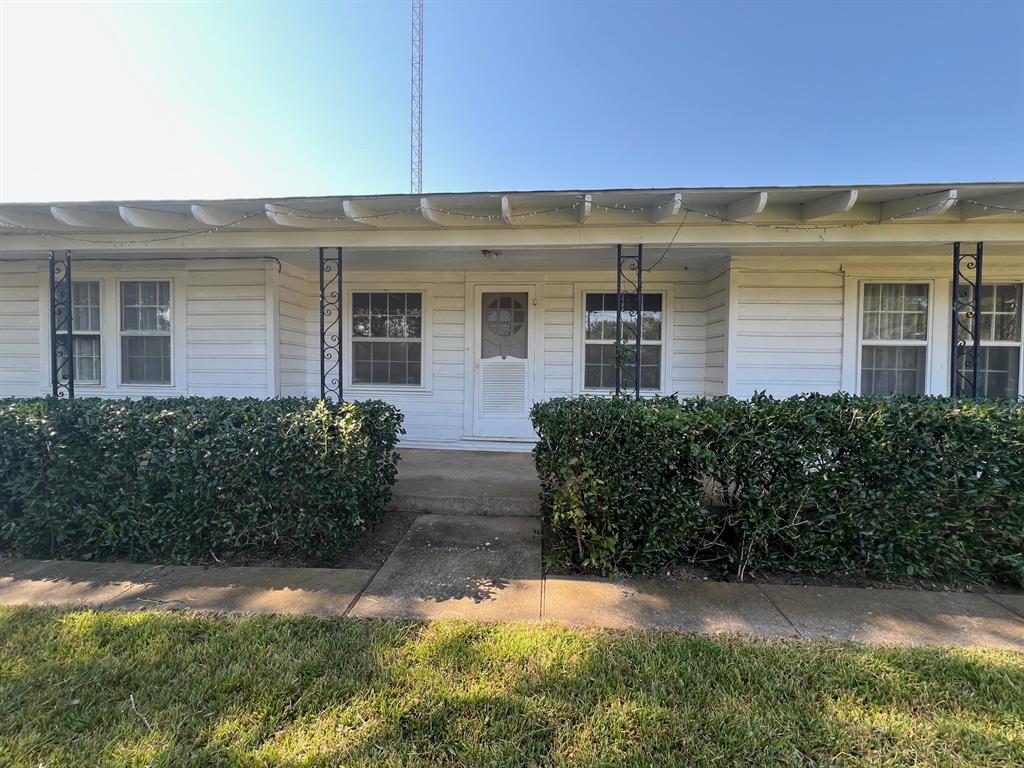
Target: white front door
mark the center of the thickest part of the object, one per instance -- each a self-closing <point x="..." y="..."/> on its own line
<point x="503" y="372"/>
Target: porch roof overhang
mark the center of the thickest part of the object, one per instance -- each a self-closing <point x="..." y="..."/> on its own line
<point x="702" y="217"/>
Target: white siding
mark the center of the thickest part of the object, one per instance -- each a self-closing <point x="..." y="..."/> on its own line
<point x="19" y="329"/>
<point x="295" y="291"/>
<point x="559" y="332"/>
<point x="788" y="337"/>
<point x="688" y="341"/>
<point x="433" y="412"/>
<point x="226" y="323"/>
<point x="437" y="414"/>
<point x="716" y="333"/>
<point x="220" y="317"/>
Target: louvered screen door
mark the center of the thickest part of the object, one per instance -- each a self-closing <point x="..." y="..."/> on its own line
<point x="503" y="366"/>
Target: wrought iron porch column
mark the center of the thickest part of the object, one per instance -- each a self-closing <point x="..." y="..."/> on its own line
<point x="331" y="387"/>
<point x="62" y="353"/>
<point x="634" y="263"/>
<point x="965" y="344"/>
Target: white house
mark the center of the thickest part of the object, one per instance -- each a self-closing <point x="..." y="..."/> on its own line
<point x="464" y="309"/>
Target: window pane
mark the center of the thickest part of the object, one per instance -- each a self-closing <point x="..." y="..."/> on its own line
<point x="650" y="366"/>
<point x="599" y="324"/>
<point x="889" y="371"/>
<point x="599" y="366"/>
<point x="599" y="316"/>
<point x="384" y="362"/>
<point x="386" y="315"/>
<point x="146" y="305"/>
<point x="146" y="359"/>
<point x="998" y="372"/>
<point x="130" y="318"/>
<point x="85" y="306"/>
<point x="895" y="312"/>
<point x="1000" y="313"/>
<point x="870" y="325"/>
<point x="87" y="359"/>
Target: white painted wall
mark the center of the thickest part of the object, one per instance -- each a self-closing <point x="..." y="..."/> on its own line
<point x="781" y="323"/>
<point x="295" y="291"/>
<point x="228" y="331"/>
<point x="716" y="332"/>
<point x="788" y="330"/>
<point x="440" y="411"/>
<point x="19" y="329"/>
<point x="222" y="327"/>
<point x="797" y="317"/>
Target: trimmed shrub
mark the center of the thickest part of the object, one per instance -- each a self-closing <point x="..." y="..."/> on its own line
<point x="190" y="479"/>
<point x="889" y="488"/>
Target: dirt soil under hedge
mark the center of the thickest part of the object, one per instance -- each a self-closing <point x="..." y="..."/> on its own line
<point x="684" y="572"/>
<point x="368" y="551"/>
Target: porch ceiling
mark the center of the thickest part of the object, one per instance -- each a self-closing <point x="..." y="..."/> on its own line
<point x="751" y="214"/>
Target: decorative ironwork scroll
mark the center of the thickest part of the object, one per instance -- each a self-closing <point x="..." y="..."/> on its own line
<point x="62" y="353"/>
<point x="965" y="354"/>
<point x="624" y="357"/>
<point x="330" y="325"/>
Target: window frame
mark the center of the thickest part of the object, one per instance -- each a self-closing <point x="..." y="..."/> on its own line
<point x="426" y="339"/>
<point x="121" y="333"/>
<point x="98" y="333"/>
<point x="926" y="343"/>
<point x="109" y="275"/>
<point x="581" y="341"/>
<point x="1019" y="344"/>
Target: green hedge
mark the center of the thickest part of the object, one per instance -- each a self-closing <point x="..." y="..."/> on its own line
<point x="192" y="479"/>
<point x="888" y="488"/>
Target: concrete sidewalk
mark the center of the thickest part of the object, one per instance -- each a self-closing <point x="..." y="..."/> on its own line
<point x="489" y="569"/>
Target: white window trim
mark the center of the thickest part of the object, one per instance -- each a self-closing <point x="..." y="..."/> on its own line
<point x="109" y="278"/>
<point x="579" y="337"/>
<point x="121" y="333"/>
<point x="426" y="342"/>
<point x="929" y="330"/>
<point x="93" y="385"/>
<point x="995" y="343"/>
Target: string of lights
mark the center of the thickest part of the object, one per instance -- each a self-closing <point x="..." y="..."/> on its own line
<point x="510" y="216"/>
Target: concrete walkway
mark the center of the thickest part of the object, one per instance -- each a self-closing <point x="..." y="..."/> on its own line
<point x="466" y="483"/>
<point x="489" y="569"/>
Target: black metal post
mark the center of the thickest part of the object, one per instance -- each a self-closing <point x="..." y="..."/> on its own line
<point x="635" y="263"/>
<point x="965" y="344"/>
<point x="618" y="318"/>
<point x="331" y="387"/>
<point x="639" y="318"/>
<point x="62" y="352"/>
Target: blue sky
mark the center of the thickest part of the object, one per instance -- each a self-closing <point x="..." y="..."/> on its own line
<point x="190" y="100"/>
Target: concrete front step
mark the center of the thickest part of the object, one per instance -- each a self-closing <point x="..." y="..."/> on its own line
<point x="445" y="482"/>
<point x="465" y="505"/>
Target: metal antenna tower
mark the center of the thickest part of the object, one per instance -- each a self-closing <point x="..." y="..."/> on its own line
<point x="416" y="141"/>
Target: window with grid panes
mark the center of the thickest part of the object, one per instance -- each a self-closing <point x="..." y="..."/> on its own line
<point x="1000" y="321"/>
<point x="894" y="339"/>
<point x="387" y="342"/>
<point x="599" y="340"/>
<point x="145" y="323"/>
<point x="85" y="327"/>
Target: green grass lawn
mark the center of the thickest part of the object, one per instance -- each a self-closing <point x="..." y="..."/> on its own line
<point x="175" y="689"/>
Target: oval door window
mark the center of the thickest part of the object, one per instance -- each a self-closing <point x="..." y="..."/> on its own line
<point x="504" y="325"/>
